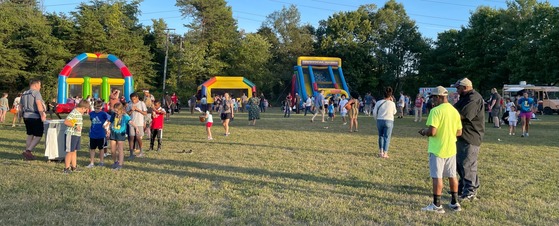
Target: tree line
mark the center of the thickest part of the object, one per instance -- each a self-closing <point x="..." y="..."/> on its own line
<point x="379" y="45"/>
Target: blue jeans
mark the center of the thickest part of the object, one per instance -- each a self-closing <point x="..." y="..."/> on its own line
<point x="384" y="133"/>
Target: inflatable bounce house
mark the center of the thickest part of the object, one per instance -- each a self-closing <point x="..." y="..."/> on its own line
<point x="318" y="73"/>
<point x="92" y="74"/>
<point x="219" y="85"/>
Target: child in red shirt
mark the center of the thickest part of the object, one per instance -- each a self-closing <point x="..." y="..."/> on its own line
<point x="157" y="115"/>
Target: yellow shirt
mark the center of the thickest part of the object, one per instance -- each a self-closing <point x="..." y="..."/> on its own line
<point x="447" y="121"/>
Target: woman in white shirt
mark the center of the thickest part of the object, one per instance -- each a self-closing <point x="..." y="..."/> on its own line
<point x="384" y="112"/>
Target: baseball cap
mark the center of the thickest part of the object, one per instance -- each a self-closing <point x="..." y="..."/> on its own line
<point x="463" y="82"/>
<point x="439" y="91"/>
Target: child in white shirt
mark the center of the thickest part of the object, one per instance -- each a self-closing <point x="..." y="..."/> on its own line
<point x="513" y="119"/>
<point x="209" y="123"/>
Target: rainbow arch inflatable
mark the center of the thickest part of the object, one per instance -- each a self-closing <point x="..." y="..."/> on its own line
<point x="93" y="74"/>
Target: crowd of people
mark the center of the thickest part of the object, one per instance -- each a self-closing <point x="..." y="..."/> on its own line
<point x="112" y="123"/>
<point x="455" y="127"/>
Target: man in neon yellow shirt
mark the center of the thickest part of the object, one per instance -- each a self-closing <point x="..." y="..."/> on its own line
<point x="444" y="126"/>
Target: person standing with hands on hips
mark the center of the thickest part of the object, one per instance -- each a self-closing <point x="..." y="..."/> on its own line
<point x="472" y="114"/>
<point x="444" y="126"/>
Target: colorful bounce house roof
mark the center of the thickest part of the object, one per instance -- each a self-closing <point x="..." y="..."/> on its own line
<point x="218" y="85"/>
<point x="93" y="69"/>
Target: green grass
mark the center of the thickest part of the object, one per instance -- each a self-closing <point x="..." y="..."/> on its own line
<point x="281" y="172"/>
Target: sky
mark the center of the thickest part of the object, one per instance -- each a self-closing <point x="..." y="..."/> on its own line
<point x="431" y="16"/>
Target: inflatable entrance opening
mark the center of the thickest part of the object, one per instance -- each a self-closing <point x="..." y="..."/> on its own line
<point x="92" y="74"/>
<point x="218" y="85"/>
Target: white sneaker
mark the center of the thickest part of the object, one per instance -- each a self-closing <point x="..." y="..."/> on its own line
<point x="456" y="207"/>
<point x="91" y="165"/>
<point x="432" y="208"/>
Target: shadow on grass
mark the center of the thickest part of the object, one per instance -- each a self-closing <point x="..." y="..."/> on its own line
<point x="10" y="155"/>
<point x="295" y="122"/>
<point x="288" y="148"/>
<point x="21" y="143"/>
<point x="543" y="129"/>
<point x="397" y="189"/>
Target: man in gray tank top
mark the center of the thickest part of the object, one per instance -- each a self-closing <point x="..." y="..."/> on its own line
<point x="33" y="108"/>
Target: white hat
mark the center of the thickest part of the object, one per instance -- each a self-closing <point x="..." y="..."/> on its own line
<point x="439" y="91"/>
<point x="464" y="82"/>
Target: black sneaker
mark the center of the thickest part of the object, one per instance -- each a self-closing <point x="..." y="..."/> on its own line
<point x="66" y="171"/>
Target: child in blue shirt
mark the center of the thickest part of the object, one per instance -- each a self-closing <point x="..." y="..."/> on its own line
<point x="97" y="133"/>
<point x="331" y="114"/>
<point x="119" y="122"/>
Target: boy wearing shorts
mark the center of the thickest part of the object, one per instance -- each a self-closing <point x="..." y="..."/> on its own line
<point x="137" y="110"/>
<point x="158" y="116"/>
<point x="74" y="123"/>
<point x="331" y="110"/>
<point x="97" y="133"/>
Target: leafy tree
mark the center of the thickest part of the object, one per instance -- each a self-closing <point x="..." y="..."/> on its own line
<point x="400" y="45"/>
<point x="29" y="48"/>
<point x="352" y="37"/>
<point x="213" y="29"/>
<point x="250" y="58"/>
<point x="531" y="58"/>
<point x="64" y="29"/>
<point x="111" y="27"/>
<point x="483" y="46"/>
<point x="289" y="40"/>
<point x="441" y="65"/>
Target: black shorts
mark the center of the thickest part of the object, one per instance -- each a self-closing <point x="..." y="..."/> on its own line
<point x="226" y="116"/>
<point x="34" y="126"/>
<point x="96" y="143"/>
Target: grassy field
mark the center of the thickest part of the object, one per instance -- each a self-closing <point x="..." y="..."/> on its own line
<point x="283" y="171"/>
